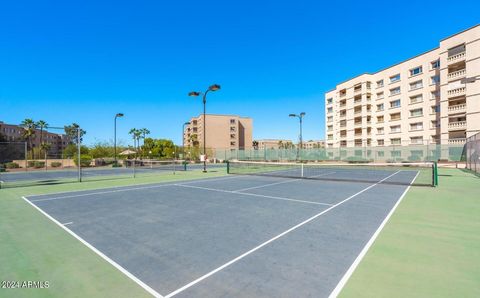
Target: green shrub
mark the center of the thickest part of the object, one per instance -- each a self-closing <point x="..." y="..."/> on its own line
<point x="38" y="164"/>
<point x="85" y="160"/>
<point x="30" y="163"/>
<point x="12" y="165"/>
<point x="56" y="164"/>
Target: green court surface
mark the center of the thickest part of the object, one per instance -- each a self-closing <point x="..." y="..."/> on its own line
<point x="429" y="248"/>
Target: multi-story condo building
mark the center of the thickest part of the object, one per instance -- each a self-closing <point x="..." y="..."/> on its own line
<point x="222" y="132"/>
<point x="431" y="98"/>
<point x="312" y="144"/>
<point x="272" y="143"/>
<point x="14" y="133"/>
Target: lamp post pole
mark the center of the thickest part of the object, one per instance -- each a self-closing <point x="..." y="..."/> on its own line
<point x="300" y="118"/>
<point x="214" y="87"/>
<point x="115" y="137"/>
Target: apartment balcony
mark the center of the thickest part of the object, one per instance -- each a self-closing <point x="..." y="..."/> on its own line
<point x="457" y="125"/>
<point x="343" y="136"/>
<point x="358" y="123"/>
<point x="342" y="95"/>
<point x="343" y="105"/>
<point x="457" y="141"/>
<point x="357" y="102"/>
<point x="358" y="112"/>
<point x="456" y="92"/>
<point x="357" y="90"/>
<point x="457" y="108"/>
<point x="343" y="116"/>
<point x="457" y="74"/>
<point x="456" y="58"/>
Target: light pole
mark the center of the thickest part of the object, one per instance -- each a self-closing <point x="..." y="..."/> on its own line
<point x="213" y="87"/>
<point x="183" y="138"/>
<point x="118" y="115"/>
<point x="300" y="117"/>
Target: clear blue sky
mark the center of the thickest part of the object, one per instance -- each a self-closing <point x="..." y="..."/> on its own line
<point x="83" y="61"/>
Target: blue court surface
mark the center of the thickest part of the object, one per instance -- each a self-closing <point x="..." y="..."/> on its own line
<point x="234" y="236"/>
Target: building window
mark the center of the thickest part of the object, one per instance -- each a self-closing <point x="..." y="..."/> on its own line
<point x="232" y="143"/>
<point x="380" y="119"/>
<point x="435" y="94"/>
<point x="435" y="79"/>
<point x="395" y="129"/>
<point x="416" y="85"/>
<point x="435" y="64"/>
<point x="329" y="100"/>
<point x="416" y="71"/>
<point x="416" y="126"/>
<point x="395" y="91"/>
<point x="380" y="107"/>
<point x="380" y="84"/>
<point x="232" y="121"/>
<point x="435" y="109"/>
<point x="395" y="103"/>
<point x="416" y="112"/>
<point x="435" y="124"/>
<point x="381" y="142"/>
<point x="395" y="116"/>
<point x="330" y="110"/>
<point x="395" y="78"/>
<point x="416" y="99"/>
<point x="380" y="95"/>
<point x="416" y="140"/>
<point x="395" y="141"/>
<point x="380" y="130"/>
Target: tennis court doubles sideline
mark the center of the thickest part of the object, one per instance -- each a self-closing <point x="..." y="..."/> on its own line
<point x="239" y="236"/>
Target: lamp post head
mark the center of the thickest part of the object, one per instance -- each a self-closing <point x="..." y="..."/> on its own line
<point x="194" y="93"/>
<point x="119" y="115"/>
<point x="302" y="114"/>
<point x="292" y="115"/>
<point x="214" y="87"/>
<point x="186" y="123"/>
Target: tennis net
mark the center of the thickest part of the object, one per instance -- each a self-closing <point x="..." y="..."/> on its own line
<point x="156" y="165"/>
<point x="422" y="174"/>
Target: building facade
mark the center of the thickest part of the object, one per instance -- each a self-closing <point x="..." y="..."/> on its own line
<point x="272" y="143"/>
<point x="14" y="133"/>
<point x="433" y="98"/>
<point x="222" y="132"/>
<point x="314" y="144"/>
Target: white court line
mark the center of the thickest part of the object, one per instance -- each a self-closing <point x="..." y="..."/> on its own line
<point x="68" y="223"/>
<point x="128" y="187"/>
<point x="272" y="239"/>
<point x="281" y="182"/>
<point x="362" y="254"/>
<point x="253" y="195"/>
<point x="113" y="263"/>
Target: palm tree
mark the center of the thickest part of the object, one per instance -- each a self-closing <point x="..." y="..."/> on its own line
<point x="28" y="131"/>
<point x="41" y="125"/>
<point x="45" y="147"/>
<point x="144" y="133"/>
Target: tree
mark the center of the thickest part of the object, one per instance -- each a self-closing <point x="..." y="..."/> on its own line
<point x="72" y="133"/>
<point x="41" y="125"/>
<point x="28" y="131"/>
<point x="45" y="147"/>
<point x="144" y="133"/>
<point x="255" y="145"/>
<point x="136" y="134"/>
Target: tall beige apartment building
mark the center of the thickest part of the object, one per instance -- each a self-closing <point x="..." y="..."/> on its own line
<point x="222" y="132"/>
<point x="432" y="98"/>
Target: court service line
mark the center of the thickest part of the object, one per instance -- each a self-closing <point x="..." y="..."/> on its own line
<point x="253" y="195"/>
<point x="281" y="182"/>
<point x="341" y="284"/>
<point x="112" y="262"/>
<point x="273" y="239"/>
<point x="127" y="187"/>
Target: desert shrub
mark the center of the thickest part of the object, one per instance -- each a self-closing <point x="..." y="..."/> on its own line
<point x="12" y="165"/>
<point x="85" y="160"/>
<point x="56" y="164"/>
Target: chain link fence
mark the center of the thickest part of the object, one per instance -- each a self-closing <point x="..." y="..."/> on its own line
<point x="472" y="152"/>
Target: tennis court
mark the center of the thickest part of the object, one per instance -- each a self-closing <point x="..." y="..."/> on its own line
<point x="239" y="235"/>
